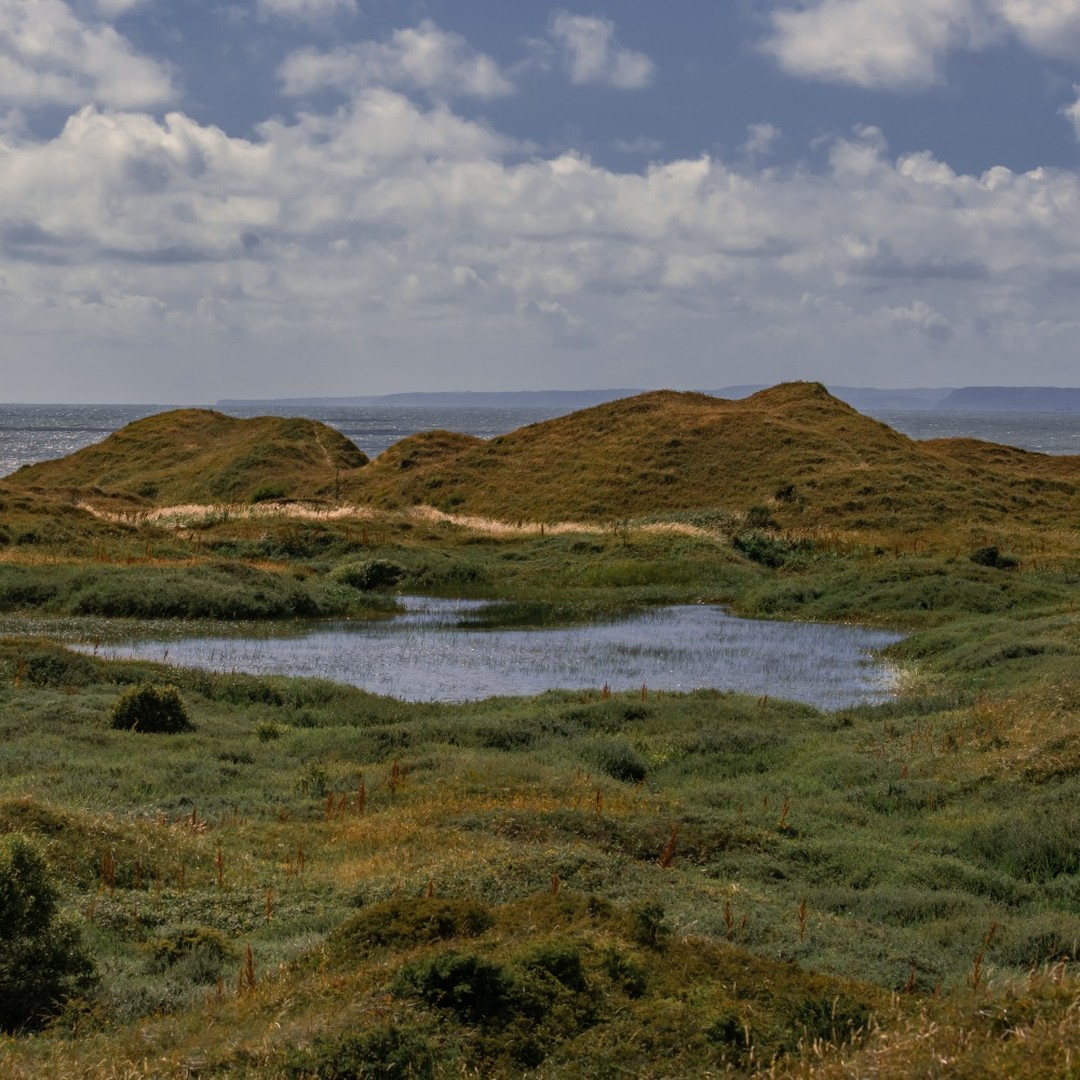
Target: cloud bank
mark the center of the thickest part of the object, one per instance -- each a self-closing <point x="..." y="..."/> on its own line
<point x="392" y="242"/>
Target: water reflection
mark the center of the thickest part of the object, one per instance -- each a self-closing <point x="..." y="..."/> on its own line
<point x="426" y="655"/>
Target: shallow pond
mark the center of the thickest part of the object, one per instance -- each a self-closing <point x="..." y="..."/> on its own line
<point x="426" y="655"/>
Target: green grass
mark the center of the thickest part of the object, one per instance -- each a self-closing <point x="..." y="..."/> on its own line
<point x="811" y="858"/>
<point x="314" y="881"/>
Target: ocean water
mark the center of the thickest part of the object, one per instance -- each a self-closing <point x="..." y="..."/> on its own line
<point x="31" y="433"/>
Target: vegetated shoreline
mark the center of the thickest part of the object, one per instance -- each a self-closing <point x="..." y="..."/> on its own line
<point x="315" y="881"/>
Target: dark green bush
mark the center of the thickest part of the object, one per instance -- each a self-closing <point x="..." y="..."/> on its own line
<point x="150" y="708"/>
<point x="409" y="921"/>
<point x="370" y="575"/>
<point x="560" y="960"/>
<point x="625" y="973"/>
<point x="42" y="961"/>
<point x="758" y="547"/>
<point x="199" y="955"/>
<point x="618" y="759"/>
<point x="384" y="1053"/>
<point x="48" y="668"/>
<point x="990" y="556"/>
<point x="760" y="517"/>
<point x="475" y="989"/>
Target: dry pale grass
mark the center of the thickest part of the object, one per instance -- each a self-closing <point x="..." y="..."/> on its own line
<point x="200" y="515"/>
<point x="1030" y="1029"/>
<point x="192" y="515"/>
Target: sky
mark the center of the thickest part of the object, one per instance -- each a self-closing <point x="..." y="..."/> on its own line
<point x="301" y="198"/>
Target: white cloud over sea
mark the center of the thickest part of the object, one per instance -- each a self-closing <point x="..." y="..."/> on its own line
<point x="390" y="240"/>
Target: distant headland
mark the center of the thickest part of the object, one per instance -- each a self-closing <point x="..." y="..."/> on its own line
<point x="864" y="398"/>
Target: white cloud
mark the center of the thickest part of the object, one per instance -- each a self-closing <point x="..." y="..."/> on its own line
<point x="761" y="140"/>
<point x="423" y="58"/>
<point x="872" y="43"/>
<point x="312" y="10"/>
<point x="641" y="145"/>
<point x="593" y="55"/>
<point x="1050" y="26"/>
<point x="386" y="230"/>
<point x="1072" y="112"/>
<point x="113" y="8"/>
<point x="904" y="43"/>
<point x="48" y="56"/>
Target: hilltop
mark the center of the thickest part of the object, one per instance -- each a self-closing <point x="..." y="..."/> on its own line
<point x="199" y="455"/>
<point x="795" y="454"/>
<point x="795" y="449"/>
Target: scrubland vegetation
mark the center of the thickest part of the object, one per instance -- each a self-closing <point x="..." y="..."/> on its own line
<point x="305" y="880"/>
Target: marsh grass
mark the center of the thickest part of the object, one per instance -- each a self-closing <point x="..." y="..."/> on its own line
<point x="321" y="881"/>
<point x="487" y="804"/>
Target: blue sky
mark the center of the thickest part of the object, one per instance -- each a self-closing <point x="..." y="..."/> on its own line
<point x="271" y="198"/>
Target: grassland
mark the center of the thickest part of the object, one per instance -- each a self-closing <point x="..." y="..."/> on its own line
<point x="317" y="882"/>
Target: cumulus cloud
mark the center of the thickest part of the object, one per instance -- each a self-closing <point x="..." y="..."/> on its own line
<point x="593" y="55"/>
<point x="1050" y="26"/>
<point x="872" y="43"/>
<point x="49" y="56"/>
<point x="305" y="9"/>
<point x="422" y="58"/>
<point x="904" y="43"/>
<point x="1072" y="112"/>
<point x="761" y="140"/>
<point x="113" y="8"/>
<point x="387" y="229"/>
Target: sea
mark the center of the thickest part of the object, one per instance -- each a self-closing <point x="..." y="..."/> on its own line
<point x="32" y="433"/>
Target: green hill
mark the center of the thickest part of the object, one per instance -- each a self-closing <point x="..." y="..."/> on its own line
<point x="807" y="457"/>
<point x="801" y="457"/>
<point x="198" y="455"/>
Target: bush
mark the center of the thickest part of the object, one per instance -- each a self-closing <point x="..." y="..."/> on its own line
<point x="199" y="955"/>
<point x="618" y="759"/>
<point x="370" y="575"/>
<point x="760" y="517"/>
<point x="990" y="556"/>
<point x="406" y="921"/>
<point x="475" y="989"/>
<point x="384" y="1053"/>
<point x="42" y="962"/>
<point x="767" y="550"/>
<point x="58" y="669"/>
<point x="156" y="709"/>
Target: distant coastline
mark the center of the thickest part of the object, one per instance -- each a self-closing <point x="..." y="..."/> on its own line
<point x="863" y="398"/>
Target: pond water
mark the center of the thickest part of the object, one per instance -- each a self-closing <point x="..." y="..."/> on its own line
<point x="427" y="655"/>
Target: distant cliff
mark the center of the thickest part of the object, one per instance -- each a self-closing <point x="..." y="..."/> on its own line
<point x="1012" y="399"/>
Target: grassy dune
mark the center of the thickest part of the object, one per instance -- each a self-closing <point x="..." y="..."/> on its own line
<point x="197" y="455"/>
<point x="317" y="882"/>
<point x="807" y="458"/>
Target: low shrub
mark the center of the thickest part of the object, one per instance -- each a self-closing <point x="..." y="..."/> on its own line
<point x="992" y="557"/>
<point x="476" y="990"/>
<point x="55" y="668"/>
<point x="618" y="759"/>
<point x="409" y="921"/>
<point x="199" y="955"/>
<point x="370" y="575"/>
<point x="387" y="1052"/>
<point x="150" y="708"/>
